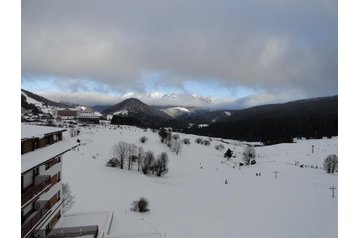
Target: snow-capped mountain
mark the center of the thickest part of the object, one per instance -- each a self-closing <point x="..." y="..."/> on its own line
<point x="180" y="99"/>
<point x="32" y="100"/>
<point x="176" y="111"/>
<point x="45" y="105"/>
<point x="133" y="106"/>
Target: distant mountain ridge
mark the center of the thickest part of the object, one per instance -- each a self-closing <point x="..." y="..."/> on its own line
<point x="314" y="117"/>
<point x="42" y="99"/>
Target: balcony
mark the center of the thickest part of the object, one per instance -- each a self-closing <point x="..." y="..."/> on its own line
<point x="42" y="209"/>
<point x="41" y="184"/>
<point x="78" y="231"/>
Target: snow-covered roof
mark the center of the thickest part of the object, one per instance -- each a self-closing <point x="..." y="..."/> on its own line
<point x="41" y="155"/>
<point x="88" y="115"/>
<point x="29" y="131"/>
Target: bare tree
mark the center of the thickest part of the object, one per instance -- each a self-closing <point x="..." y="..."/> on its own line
<point x="132" y="154"/>
<point x="248" y="154"/>
<point x="161" y="164"/>
<point x="120" y="151"/>
<point x="330" y="164"/>
<point x="67" y="197"/>
<point x="165" y="135"/>
<point x="148" y="161"/>
<point x="175" y="144"/>
<point x="141" y="156"/>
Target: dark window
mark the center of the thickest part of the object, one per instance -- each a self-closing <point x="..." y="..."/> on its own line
<point x="59" y="176"/>
<point x="36" y="171"/>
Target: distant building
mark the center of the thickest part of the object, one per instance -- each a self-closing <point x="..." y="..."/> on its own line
<point x="24" y="111"/>
<point x="67" y="113"/>
<point x="89" y="117"/>
<point x="42" y="148"/>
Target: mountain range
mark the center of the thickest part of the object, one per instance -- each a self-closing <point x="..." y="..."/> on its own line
<point x="313" y="117"/>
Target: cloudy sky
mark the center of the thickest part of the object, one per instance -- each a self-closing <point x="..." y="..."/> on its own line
<point x="97" y="52"/>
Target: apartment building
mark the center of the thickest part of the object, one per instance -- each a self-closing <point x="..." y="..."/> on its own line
<point x="41" y="187"/>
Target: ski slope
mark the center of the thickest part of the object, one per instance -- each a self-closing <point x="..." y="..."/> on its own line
<point x="192" y="200"/>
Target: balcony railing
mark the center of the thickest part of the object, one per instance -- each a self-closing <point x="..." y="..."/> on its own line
<point x="77" y="231"/>
<point x="40" y="185"/>
<point x="42" y="208"/>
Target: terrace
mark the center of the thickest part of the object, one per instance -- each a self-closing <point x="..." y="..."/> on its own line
<point x="42" y="209"/>
<point x="42" y="183"/>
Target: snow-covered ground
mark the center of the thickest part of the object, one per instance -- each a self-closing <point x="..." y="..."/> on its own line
<point x="192" y="200"/>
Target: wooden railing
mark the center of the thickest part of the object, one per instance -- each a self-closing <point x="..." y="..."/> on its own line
<point x="73" y="232"/>
<point x="41" y="209"/>
<point x="31" y="192"/>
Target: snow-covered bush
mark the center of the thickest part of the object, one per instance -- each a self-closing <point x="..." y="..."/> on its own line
<point x="205" y="142"/>
<point x="219" y="147"/>
<point x="330" y="164"/>
<point x="140" y="205"/>
<point x="114" y="162"/>
<point x="198" y="140"/>
<point x="143" y="139"/>
<point x="248" y="154"/>
<point x="186" y="141"/>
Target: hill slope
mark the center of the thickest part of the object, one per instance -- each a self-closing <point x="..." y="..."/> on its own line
<point x="304" y="118"/>
<point x="192" y="200"/>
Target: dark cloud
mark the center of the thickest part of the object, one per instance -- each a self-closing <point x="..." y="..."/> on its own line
<point x="272" y="45"/>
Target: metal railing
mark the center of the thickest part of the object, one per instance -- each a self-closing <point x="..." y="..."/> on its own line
<point x="41" y="209"/>
<point x="32" y="191"/>
<point x="77" y="231"/>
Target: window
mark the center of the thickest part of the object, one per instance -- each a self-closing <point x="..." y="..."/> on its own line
<point x="59" y="159"/>
<point x="58" y="196"/>
<point x="36" y="171"/>
<point x="59" y="176"/>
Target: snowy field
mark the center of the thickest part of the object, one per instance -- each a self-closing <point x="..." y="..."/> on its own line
<point x="192" y="200"/>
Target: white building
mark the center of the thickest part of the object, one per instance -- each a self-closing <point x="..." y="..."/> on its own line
<point x="41" y="187"/>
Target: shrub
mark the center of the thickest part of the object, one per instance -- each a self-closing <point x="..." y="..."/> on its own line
<point x="143" y="139"/>
<point x="248" y="154"/>
<point x="114" y="162"/>
<point x="140" y="205"/>
<point x="330" y="164"/>
<point x="186" y="141"/>
<point x="176" y="137"/>
<point x="198" y="140"/>
<point x="228" y="153"/>
<point x="205" y="142"/>
<point x="220" y="147"/>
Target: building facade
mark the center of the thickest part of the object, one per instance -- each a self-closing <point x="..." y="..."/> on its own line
<point x="41" y="187"/>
